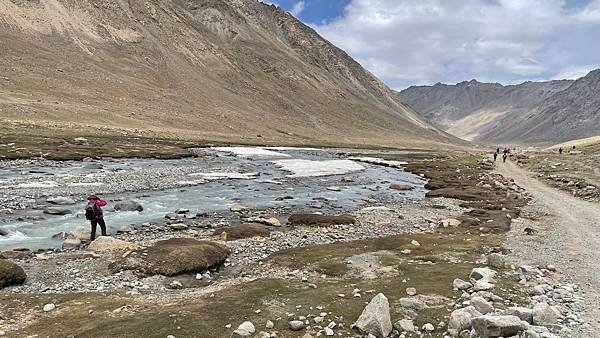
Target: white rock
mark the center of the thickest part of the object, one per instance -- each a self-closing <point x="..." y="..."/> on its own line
<point x="246" y="329"/>
<point x="428" y="327"/>
<point x="405" y="325"/>
<point x="269" y="324"/>
<point x="544" y="314"/>
<point x="461" y="319"/>
<point x="49" y="307"/>
<point x="411" y="291"/>
<point x="482" y="305"/>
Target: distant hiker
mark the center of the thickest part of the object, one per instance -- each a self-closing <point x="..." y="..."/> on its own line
<point x="504" y="157"/>
<point x="560" y="150"/>
<point x="498" y="150"/>
<point x="495" y="156"/>
<point x="93" y="213"/>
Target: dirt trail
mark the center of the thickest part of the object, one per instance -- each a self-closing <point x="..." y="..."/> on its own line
<point x="574" y="234"/>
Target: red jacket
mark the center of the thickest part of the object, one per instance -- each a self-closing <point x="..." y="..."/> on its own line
<point x="99" y="203"/>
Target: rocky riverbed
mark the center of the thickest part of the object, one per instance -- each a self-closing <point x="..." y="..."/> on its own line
<point x="426" y="267"/>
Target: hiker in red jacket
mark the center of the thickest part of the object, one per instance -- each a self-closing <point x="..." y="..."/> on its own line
<point x="93" y="212"/>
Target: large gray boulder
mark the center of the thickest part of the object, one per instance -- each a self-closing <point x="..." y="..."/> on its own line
<point x="60" y="200"/>
<point x="128" y="205"/>
<point x="11" y="274"/>
<point x="497" y="326"/>
<point x="461" y="319"/>
<point x="544" y="314"/>
<point x="375" y="318"/>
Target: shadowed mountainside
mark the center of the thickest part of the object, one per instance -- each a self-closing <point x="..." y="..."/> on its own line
<point x="216" y="70"/>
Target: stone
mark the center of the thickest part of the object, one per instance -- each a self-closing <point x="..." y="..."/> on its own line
<point x="296" y="325"/>
<point x="11" y="274"/>
<point x="460" y="284"/>
<point x="178" y="226"/>
<point x="415" y="243"/>
<point x="128" y="205"/>
<point x="405" y="325"/>
<point x="237" y="208"/>
<point x="525" y="314"/>
<point x="49" y="307"/>
<point x="108" y="244"/>
<point x="60" y="211"/>
<point x="412" y="303"/>
<point x="320" y="220"/>
<point x="482" y="274"/>
<point x="269" y="324"/>
<point x="482" y="285"/>
<point x="263" y="334"/>
<point x="496" y="260"/>
<point x="375" y="318"/>
<point x="411" y="291"/>
<point x="451" y="222"/>
<point x="460" y="319"/>
<point x="497" y="326"/>
<point x="543" y="314"/>
<point x="182" y="211"/>
<point x="72" y="243"/>
<point x="242" y="231"/>
<point x="329" y="332"/>
<point x="401" y="187"/>
<point x="246" y="329"/>
<point x="173" y="257"/>
<point x="60" y="200"/>
<point x="482" y="305"/>
<point x="428" y="327"/>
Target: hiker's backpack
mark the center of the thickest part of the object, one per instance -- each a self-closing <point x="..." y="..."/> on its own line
<point x="91" y="212"/>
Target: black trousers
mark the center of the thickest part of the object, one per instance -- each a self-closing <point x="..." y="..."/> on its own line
<point x="102" y="227"/>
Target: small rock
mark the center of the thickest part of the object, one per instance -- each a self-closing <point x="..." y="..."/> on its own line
<point x="246" y="329"/>
<point x="296" y="325"/>
<point x="411" y="291"/>
<point x="49" y="307"/>
<point x="428" y="327"/>
<point x="375" y="318"/>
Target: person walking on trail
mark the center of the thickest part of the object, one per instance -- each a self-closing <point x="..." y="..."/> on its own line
<point x="560" y="150"/>
<point x="495" y="156"/>
<point x="504" y="157"/>
<point x="93" y="213"/>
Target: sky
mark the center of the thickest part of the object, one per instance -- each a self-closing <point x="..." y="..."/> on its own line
<point x="422" y="42"/>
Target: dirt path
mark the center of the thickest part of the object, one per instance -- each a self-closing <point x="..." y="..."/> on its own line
<point x="571" y="240"/>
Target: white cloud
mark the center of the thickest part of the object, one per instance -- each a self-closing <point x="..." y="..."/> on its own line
<point x="427" y="41"/>
<point x="575" y="72"/>
<point x="297" y="8"/>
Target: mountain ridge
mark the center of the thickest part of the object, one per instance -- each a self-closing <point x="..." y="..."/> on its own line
<point x="218" y="70"/>
<point x="530" y="112"/>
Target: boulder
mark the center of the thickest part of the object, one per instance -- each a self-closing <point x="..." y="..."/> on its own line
<point x="178" y="226"/>
<point x="11" y="274"/>
<point x="412" y="303"/>
<point x="246" y="329"/>
<point x="60" y="200"/>
<point x="451" y="222"/>
<point x="57" y="211"/>
<point x="296" y="325"/>
<point x="241" y="231"/>
<point x="128" y="205"/>
<point x="482" y="274"/>
<point x="544" y="314"/>
<point x="401" y="187"/>
<point x="525" y="314"/>
<point x="107" y="244"/>
<point x="497" y="326"/>
<point x="3" y="232"/>
<point x="72" y="243"/>
<point x="320" y="220"/>
<point x="405" y="325"/>
<point x="461" y="319"/>
<point x="482" y="305"/>
<point x="237" y="208"/>
<point x="173" y="257"/>
<point x="375" y="318"/>
<point x="460" y="284"/>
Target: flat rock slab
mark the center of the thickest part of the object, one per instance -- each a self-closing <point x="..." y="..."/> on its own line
<point x="320" y="220"/>
<point x="107" y="244"/>
<point x="173" y="257"/>
<point x="242" y="231"/>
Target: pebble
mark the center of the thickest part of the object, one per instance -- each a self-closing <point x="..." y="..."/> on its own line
<point x="49" y="307"/>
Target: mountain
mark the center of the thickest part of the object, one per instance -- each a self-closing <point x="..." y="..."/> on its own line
<point x="217" y="70"/>
<point x="491" y="112"/>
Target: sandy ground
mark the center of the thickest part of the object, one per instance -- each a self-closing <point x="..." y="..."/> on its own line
<point x="568" y="238"/>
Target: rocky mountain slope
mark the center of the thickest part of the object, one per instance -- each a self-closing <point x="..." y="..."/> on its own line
<point x="217" y="70"/>
<point x="531" y="112"/>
